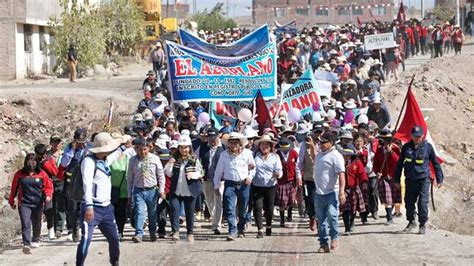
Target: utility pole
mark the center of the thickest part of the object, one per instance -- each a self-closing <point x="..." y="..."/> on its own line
<point x="458" y="19"/>
<point x="422" y="9"/>
<point x="227" y="6"/>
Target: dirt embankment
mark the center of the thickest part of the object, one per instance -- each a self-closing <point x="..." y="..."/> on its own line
<point x="29" y="116"/>
<point x="444" y="90"/>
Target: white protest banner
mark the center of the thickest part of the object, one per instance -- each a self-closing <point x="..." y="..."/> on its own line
<point x="379" y="41"/>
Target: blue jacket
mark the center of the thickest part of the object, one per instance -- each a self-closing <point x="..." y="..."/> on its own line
<point x="194" y="185"/>
<point x="416" y="162"/>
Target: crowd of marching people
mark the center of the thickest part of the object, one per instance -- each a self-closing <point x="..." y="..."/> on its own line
<point x="167" y="168"/>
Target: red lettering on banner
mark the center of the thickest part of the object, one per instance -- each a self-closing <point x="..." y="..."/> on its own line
<point x="217" y="71"/>
<point x="295" y="103"/>
<point x="219" y="108"/>
<point x="253" y="70"/>
<point x="241" y="71"/>
<point x="304" y="101"/>
<point x="205" y="70"/>
<point x="313" y="97"/>
<point x="184" y="67"/>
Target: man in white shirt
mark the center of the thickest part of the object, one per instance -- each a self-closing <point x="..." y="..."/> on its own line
<point x="329" y="179"/>
<point x="236" y="166"/>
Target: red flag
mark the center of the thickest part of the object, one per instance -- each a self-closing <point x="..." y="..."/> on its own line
<point x="263" y="118"/>
<point x="401" y="16"/>
<point x="414" y="117"/>
<point x="372" y="15"/>
<point x="359" y="22"/>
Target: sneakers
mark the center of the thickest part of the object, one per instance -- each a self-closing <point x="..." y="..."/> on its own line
<point x="241" y="235"/>
<point x="324" y="249"/>
<point x="190" y="238"/>
<point x="230" y="238"/>
<point x="217" y="232"/>
<point x="312" y="224"/>
<point x="26" y="249"/>
<point x="175" y="236"/>
<point x="260" y="234"/>
<point x="410" y="227"/>
<point x="268" y="231"/>
<point x="389" y="222"/>
<point x="51" y="234"/>
<point x="58" y="234"/>
<point x="422" y="230"/>
<point x="334" y="244"/>
<point x="137" y="239"/>
<point x="35" y="244"/>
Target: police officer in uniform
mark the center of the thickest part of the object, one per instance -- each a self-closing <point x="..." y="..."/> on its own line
<point x="415" y="158"/>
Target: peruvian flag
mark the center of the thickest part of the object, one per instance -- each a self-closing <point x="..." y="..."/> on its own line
<point x="401" y="16"/>
<point x="359" y="22"/>
<point x="414" y="117"/>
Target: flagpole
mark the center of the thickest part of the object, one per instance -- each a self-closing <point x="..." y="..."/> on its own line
<point x="404" y="103"/>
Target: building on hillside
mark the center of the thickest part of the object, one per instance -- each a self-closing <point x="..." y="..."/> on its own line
<point x="25" y="35"/>
<point x="324" y="12"/>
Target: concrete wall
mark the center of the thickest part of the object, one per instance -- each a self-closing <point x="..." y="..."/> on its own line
<point x="14" y="14"/>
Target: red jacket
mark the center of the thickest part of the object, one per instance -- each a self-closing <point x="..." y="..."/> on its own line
<point x="411" y="37"/>
<point x="363" y="156"/>
<point x="355" y="174"/>
<point x="39" y="185"/>
<point x="457" y="36"/>
<point x="433" y="35"/>
<point x="424" y="32"/>
<point x="289" y="167"/>
<point x="390" y="163"/>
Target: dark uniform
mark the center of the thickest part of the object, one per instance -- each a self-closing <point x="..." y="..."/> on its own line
<point x="416" y="162"/>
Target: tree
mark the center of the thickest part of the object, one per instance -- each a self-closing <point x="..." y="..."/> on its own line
<point x="81" y="27"/>
<point x="115" y="27"/>
<point x="213" y="20"/>
<point x="443" y="13"/>
<point x="124" y="26"/>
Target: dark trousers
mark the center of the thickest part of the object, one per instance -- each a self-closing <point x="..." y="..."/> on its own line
<point x="72" y="211"/>
<point x="417" y="190"/>
<point x="263" y="199"/>
<point x="49" y="214"/>
<point x="438" y="47"/>
<point x="162" y="209"/>
<point x="30" y="217"/>
<point x="59" y="206"/>
<point x="373" y="195"/>
<point x="457" y="47"/>
<point x="120" y="213"/>
<point x="105" y="220"/>
<point x="309" y="189"/>
<point x="157" y="67"/>
<point x="189" y="207"/>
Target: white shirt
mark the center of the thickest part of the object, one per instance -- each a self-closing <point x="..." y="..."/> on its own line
<point x="234" y="168"/>
<point x="328" y="166"/>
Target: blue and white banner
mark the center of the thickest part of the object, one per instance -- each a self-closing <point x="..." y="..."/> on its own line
<point x="197" y="76"/>
<point x="303" y="95"/>
<point x="249" y="44"/>
<point x="289" y="27"/>
<point x="220" y="110"/>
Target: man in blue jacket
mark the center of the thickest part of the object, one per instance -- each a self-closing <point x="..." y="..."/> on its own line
<point x="416" y="157"/>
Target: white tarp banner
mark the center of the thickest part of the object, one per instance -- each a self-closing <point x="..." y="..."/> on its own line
<point x="379" y="41"/>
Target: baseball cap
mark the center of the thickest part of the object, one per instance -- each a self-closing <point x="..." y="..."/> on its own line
<point x="213" y="132"/>
<point x="417" y="131"/>
<point x="80" y="135"/>
<point x="55" y="137"/>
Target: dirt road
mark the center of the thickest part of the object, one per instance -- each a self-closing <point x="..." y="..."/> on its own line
<point x="371" y="244"/>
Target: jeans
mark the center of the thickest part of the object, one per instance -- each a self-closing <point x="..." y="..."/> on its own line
<point x="214" y="202"/>
<point x="145" y="198"/>
<point x="189" y="207"/>
<point x="59" y="206"/>
<point x="105" y="220"/>
<point x="438" y="47"/>
<point x="327" y="212"/>
<point x="72" y="211"/>
<point x="309" y="189"/>
<point x="236" y="198"/>
<point x="30" y="217"/>
<point x="417" y="190"/>
<point x="263" y="199"/>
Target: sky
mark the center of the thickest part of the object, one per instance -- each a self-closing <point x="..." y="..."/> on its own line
<point x="239" y="7"/>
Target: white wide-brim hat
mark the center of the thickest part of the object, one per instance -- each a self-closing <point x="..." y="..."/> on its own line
<point x="103" y="142"/>
<point x="235" y="135"/>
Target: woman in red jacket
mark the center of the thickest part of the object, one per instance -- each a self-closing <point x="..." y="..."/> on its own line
<point x="458" y="39"/>
<point x="286" y="189"/>
<point x="33" y="188"/>
<point x="356" y="177"/>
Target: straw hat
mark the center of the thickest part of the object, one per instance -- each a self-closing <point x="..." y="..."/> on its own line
<point x="184" y="140"/>
<point x="265" y="138"/>
<point x="103" y="142"/>
<point x="235" y="136"/>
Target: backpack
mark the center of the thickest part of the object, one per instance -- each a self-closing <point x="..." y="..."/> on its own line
<point x="75" y="189"/>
